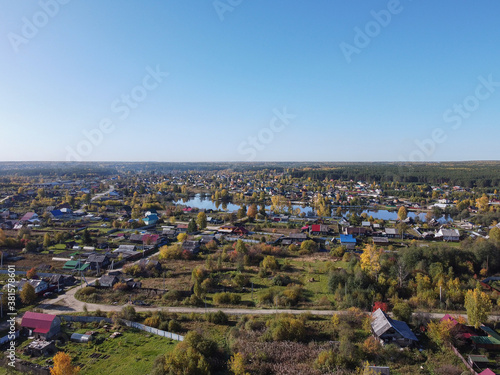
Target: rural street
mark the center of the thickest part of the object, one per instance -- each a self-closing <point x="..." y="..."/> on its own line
<point x="67" y="303"/>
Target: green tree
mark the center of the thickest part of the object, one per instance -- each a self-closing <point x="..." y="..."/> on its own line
<point x="192" y="227"/>
<point x="46" y="240"/>
<point x="402" y="311"/>
<point x="309" y="246"/>
<point x="478" y="306"/>
<point x="270" y="263"/>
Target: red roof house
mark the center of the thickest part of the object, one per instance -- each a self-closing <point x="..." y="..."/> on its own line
<point x="42" y="326"/>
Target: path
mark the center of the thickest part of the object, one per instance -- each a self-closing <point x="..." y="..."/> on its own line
<point x="67" y="303"/>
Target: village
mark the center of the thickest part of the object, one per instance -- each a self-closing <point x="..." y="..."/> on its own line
<point x="99" y="259"/>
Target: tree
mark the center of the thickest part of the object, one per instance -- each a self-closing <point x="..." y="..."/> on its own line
<point x="402" y="213"/>
<point x="28" y="295"/>
<point x="402" y="311"/>
<point x="237" y="364"/>
<point x="3" y="237"/>
<point x="86" y="238"/>
<point x="370" y="260"/>
<point x="46" y="240"/>
<point x="201" y="220"/>
<point x="440" y="332"/>
<point x="252" y="211"/>
<point x="494" y="235"/>
<point x="270" y="263"/>
<point x="63" y="366"/>
<point x="181" y="237"/>
<point x="31" y="273"/>
<point x="482" y="203"/>
<point x="478" y="306"/>
<point x="192" y="227"/>
<point x="309" y="246"/>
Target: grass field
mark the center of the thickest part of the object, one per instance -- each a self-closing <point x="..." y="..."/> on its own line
<point x="132" y="353"/>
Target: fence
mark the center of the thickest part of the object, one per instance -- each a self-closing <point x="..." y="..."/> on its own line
<point x="128" y="323"/>
<point x="469" y="367"/>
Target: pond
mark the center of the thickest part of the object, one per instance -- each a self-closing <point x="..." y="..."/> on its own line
<point x="206" y="203"/>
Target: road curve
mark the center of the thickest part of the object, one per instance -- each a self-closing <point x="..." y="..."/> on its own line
<point x="67" y="303"/>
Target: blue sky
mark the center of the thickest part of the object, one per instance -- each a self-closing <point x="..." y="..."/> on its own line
<point x="249" y="80"/>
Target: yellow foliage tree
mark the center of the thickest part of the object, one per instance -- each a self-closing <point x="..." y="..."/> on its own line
<point x="237" y="365"/>
<point x="482" y="203"/>
<point x="370" y="260"/>
<point x="478" y="306"/>
<point x="63" y="366"/>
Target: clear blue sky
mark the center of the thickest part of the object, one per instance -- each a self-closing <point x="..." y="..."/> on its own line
<point x="65" y="69"/>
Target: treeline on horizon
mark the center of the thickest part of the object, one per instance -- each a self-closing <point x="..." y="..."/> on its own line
<point x="481" y="174"/>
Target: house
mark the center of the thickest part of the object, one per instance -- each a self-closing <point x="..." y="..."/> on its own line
<point x="29" y="217"/>
<point x="490" y="342"/>
<point x="182" y="228"/>
<point x="151" y="219"/>
<point x="61" y="280"/>
<point x="107" y="281"/>
<point x="192" y="246"/>
<point x="40" y="286"/>
<point x="97" y="261"/>
<point x="348" y="241"/>
<point x="150" y="263"/>
<point x="448" y="235"/>
<point x="391" y="232"/>
<point x="478" y="361"/>
<point x="380" y="240"/>
<point x="487" y="372"/>
<point x="41" y="326"/>
<point x="355" y="231"/>
<point x="319" y="229"/>
<point x="390" y="331"/>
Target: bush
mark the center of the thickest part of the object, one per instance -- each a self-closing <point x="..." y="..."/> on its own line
<point x="87" y="290"/>
<point x="174" y="326"/>
<point x="172" y="295"/>
<point x="281" y="280"/>
<point x="285" y="328"/>
<point x="226" y="298"/>
<point x="218" y="317"/>
<point x="128" y="313"/>
<point x="402" y="311"/>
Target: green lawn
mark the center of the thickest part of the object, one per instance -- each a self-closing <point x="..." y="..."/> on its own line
<point x="132" y="353"/>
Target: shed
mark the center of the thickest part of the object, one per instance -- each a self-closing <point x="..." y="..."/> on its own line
<point x="80" y="337"/>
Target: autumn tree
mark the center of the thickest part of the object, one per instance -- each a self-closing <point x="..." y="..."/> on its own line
<point x="494" y="235"/>
<point x="370" y="260"/>
<point x="237" y="364"/>
<point x="252" y="211"/>
<point x="402" y="213"/>
<point x="31" y="273"/>
<point x="181" y="237"/>
<point x="478" y="306"/>
<point x="201" y="220"/>
<point x="28" y="294"/>
<point x="63" y="366"/>
<point x="440" y="332"/>
<point x="3" y="237"/>
<point x="482" y="203"/>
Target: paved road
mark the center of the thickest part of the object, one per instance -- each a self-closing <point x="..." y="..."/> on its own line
<point x="67" y="303"/>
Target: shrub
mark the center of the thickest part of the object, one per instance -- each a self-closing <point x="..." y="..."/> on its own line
<point x="218" y="317"/>
<point x="174" y="326"/>
<point x="226" y="298"/>
<point x="281" y="280"/>
<point x="172" y="295"/>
